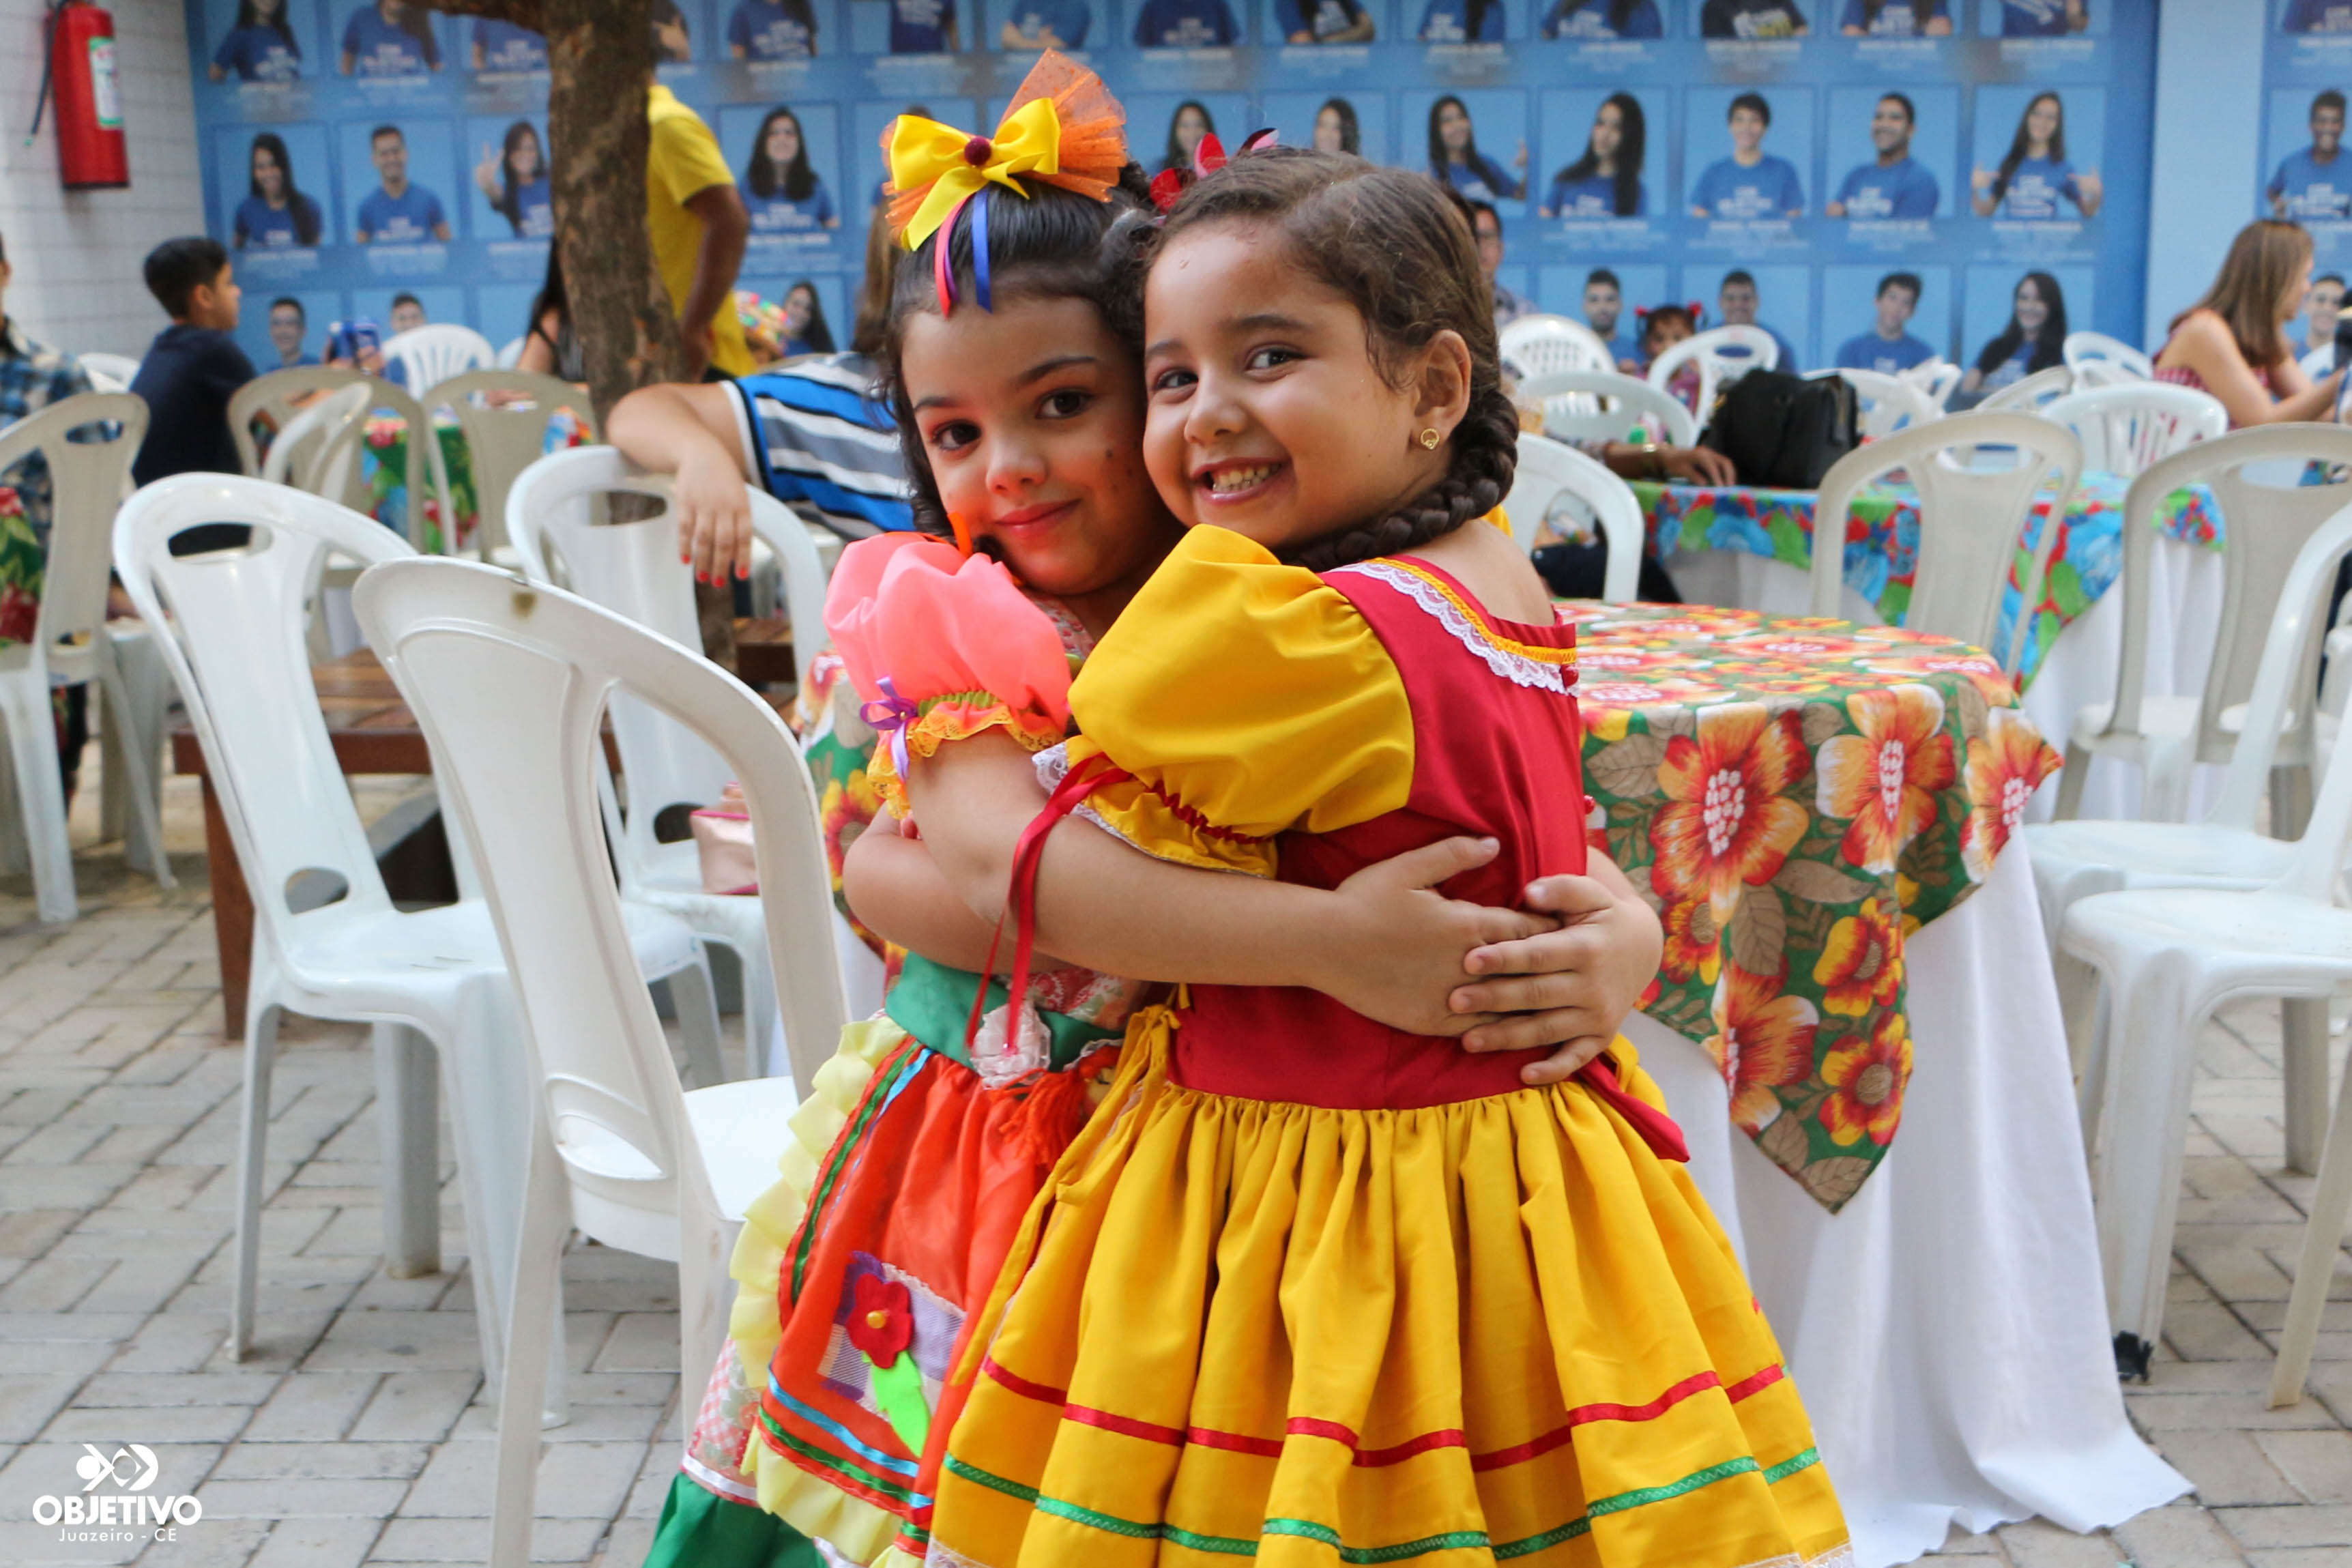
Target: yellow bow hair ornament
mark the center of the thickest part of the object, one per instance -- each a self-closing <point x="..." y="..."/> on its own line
<point x="952" y="168"/>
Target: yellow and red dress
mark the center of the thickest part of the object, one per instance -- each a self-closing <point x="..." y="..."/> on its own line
<point x="1314" y="1290"/>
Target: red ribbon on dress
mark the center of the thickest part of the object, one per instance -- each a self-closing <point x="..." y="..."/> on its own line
<point x="1652" y="1126"/>
<point x="1076" y="785"/>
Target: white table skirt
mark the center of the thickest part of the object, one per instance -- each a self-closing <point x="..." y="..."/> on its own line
<point x="1947" y="1330"/>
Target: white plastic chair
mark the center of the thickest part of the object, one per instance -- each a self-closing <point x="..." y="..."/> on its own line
<point x="1888" y="402"/>
<point x="510" y="353"/>
<point x="328" y="942"/>
<point x="2127" y="426"/>
<point x="2075" y="860"/>
<point x="2028" y="393"/>
<point x="108" y="373"/>
<point x="1970" y="518"/>
<point x="2115" y="360"/>
<point x="1716" y="368"/>
<point x="1550" y="472"/>
<point x="2265" y="526"/>
<point x="1936" y="379"/>
<point x="71" y="641"/>
<point x="510" y="684"/>
<point x="1542" y="345"/>
<point x="318" y="451"/>
<point x="506" y="437"/>
<point x="429" y="355"/>
<point x="632" y="569"/>
<point x="2169" y="958"/>
<point x="1603" y="404"/>
<point x="273" y="399"/>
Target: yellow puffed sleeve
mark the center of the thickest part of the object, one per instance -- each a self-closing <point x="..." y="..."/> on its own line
<point x="1247" y="697"/>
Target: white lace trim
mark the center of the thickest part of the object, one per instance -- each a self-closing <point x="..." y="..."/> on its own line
<point x="1515" y="668"/>
<point x="939" y="1556"/>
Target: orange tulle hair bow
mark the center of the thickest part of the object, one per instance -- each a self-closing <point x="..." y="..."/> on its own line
<point x="1063" y="127"/>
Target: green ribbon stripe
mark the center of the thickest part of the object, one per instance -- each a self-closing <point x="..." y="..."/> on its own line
<point x="1235" y="1546"/>
<point x="933" y="1003"/>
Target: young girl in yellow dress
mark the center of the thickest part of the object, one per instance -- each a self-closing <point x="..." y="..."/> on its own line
<point x="916" y="1154"/>
<point x="1311" y="1289"/>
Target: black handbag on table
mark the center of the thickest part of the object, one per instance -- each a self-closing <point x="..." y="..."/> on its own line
<point x="1782" y="431"/>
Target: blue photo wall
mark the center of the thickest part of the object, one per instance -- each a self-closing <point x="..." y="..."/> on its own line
<point x="1805" y="149"/>
<point x="2306" y="173"/>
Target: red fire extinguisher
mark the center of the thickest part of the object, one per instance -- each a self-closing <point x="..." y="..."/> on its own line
<point x="81" y="71"/>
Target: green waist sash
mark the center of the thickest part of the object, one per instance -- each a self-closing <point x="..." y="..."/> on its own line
<point x="933" y="1003"/>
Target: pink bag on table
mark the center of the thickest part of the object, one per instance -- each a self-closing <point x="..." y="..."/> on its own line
<point x="722" y="836"/>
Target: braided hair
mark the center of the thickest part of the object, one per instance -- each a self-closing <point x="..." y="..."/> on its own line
<point x="1388" y="242"/>
<point x="1055" y="245"/>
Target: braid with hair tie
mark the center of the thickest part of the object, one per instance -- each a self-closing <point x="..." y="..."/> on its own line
<point x="1486" y="456"/>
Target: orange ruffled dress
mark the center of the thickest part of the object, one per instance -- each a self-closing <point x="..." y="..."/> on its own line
<point x="1314" y="1291"/>
<point x="911" y="1163"/>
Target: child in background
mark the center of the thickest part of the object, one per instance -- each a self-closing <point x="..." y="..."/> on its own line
<point x="919" y="1147"/>
<point x="1309" y="1285"/>
<point x="1662" y="328"/>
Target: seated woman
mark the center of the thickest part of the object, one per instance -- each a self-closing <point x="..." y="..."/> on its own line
<point x="2231" y="343"/>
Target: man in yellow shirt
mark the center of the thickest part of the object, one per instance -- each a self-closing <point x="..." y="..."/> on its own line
<point x="698" y="226"/>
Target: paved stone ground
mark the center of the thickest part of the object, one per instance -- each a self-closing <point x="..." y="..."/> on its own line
<point x="358" y="1433"/>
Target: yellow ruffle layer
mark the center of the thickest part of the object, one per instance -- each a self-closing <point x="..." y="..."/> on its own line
<point x="952" y="720"/>
<point x="853" y="1527"/>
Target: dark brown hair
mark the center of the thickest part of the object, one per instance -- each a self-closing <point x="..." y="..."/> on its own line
<point x="1055" y="244"/>
<point x="1388" y="242"/>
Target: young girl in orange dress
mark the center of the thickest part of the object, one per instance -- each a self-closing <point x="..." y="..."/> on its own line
<point x="1309" y="1287"/>
<point x="919" y="1147"/>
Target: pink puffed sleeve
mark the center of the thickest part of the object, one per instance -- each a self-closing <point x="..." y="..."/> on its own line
<point x="942" y="646"/>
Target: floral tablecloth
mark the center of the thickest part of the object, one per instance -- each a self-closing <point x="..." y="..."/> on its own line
<point x="1798" y="797"/>
<point x="1881" y="548"/>
<point x="21" y="560"/>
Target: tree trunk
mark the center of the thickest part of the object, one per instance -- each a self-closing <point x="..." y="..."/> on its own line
<point x="600" y="56"/>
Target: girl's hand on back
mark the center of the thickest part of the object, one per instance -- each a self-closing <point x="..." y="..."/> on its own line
<point x="1399" y="947"/>
<point x="1576" y="983"/>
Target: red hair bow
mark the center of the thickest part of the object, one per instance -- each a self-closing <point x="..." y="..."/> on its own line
<point x="1208" y="157"/>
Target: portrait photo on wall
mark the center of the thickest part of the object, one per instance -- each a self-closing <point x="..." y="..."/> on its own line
<point x="2014" y="322"/>
<point x="1896" y="18"/>
<point x="511" y="199"/>
<point x="1607" y="298"/>
<point x="1026" y="26"/>
<point x="1305" y="23"/>
<point x="2038" y="151"/>
<point x="1602" y="157"/>
<point x="1476" y="140"/>
<point x="1183" y="24"/>
<point x="388" y="37"/>
<point x="498" y="46"/>
<point x="1464" y="21"/>
<point x="2042" y="18"/>
<point x="264" y="40"/>
<point x="911" y="26"/>
<point x="762" y="32"/>
<point x="1777" y="299"/>
<point x="1888" y="319"/>
<point x="274" y="187"/>
<point x="1892" y="153"/>
<point x="1164" y="130"/>
<point x="2308" y="16"/>
<point x="1756" y="20"/>
<point x="1732" y="156"/>
<point x="2308" y="177"/>
<point x="1332" y="122"/>
<point x="397" y="176"/>
<point x="787" y="162"/>
<point x="800" y="314"/>
<point x="1600" y="21"/>
<point x="285" y="330"/>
